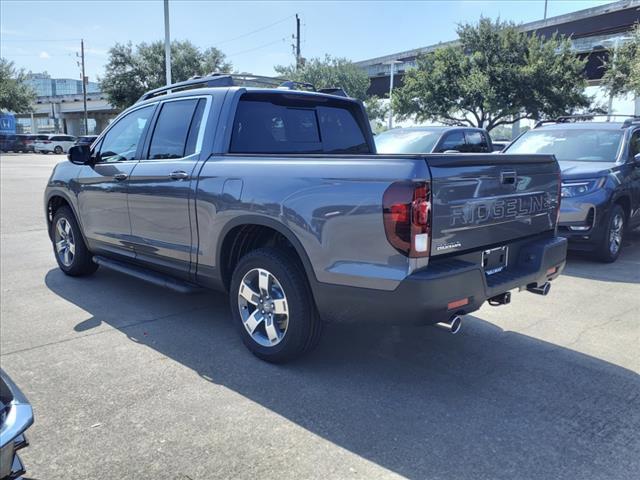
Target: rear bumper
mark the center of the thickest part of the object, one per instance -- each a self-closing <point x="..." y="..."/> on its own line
<point x="422" y="298"/>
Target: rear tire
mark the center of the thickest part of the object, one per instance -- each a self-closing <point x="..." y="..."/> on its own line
<point x="72" y="254"/>
<point x="609" y="249"/>
<point x="272" y="306"/>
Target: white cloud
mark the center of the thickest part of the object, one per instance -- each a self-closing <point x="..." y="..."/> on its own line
<point x="44" y="55"/>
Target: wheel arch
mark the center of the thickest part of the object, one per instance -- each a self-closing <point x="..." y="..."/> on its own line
<point x="241" y="225"/>
<point x="55" y="200"/>
<point x="624" y="201"/>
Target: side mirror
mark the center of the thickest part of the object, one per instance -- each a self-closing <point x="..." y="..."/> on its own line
<point x="79" y="154"/>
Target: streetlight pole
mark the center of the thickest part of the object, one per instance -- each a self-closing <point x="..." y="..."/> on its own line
<point x="84" y="89"/>
<point x="167" y="43"/>
<point x="392" y="68"/>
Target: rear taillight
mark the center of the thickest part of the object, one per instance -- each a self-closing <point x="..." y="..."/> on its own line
<point x="46" y="141"/>
<point x="407" y="217"/>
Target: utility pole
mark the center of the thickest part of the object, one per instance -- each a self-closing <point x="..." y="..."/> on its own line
<point x="84" y="89"/>
<point x="167" y="43"/>
<point x="298" y="57"/>
<point x="545" y="9"/>
<point x="392" y="68"/>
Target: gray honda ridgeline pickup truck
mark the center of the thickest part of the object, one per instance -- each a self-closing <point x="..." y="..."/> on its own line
<point x="277" y="196"/>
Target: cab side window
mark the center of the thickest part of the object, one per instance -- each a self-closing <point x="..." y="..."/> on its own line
<point x="453" y="141"/>
<point x="121" y="141"/>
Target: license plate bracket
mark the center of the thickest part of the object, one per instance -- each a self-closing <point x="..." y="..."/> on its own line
<point x="495" y="260"/>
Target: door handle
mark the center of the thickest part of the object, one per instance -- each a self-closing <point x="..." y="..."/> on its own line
<point x="178" y="175"/>
<point x="120" y="176"/>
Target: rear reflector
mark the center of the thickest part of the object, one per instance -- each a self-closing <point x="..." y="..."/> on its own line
<point x="551" y="271"/>
<point x="457" y="303"/>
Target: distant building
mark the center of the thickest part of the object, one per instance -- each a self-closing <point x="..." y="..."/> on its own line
<point x="59" y="107"/>
<point x="593" y="33"/>
<point x="45" y="86"/>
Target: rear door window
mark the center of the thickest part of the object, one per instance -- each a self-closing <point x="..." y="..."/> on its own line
<point x="453" y="141"/>
<point x="261" y="126"/>
<point x="169" y="138"/>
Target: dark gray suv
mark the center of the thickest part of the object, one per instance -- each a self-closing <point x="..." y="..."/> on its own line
<point x="600" y="163"/>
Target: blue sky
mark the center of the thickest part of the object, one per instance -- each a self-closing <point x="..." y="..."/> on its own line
<point x="255" y="36"/>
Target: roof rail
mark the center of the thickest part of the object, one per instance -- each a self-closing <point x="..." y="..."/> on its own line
<point x="589" y="116"/>
<point x="237" y="79"/>
<point x="214" y="80"/>
<point x="539" y="123"/>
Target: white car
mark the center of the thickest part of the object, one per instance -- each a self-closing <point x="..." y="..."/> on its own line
<point x="54" y="143"/>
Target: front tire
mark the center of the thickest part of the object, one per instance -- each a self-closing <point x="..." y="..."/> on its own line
<point x="72" y="254"/>
<point x="58" y="150"/>
<point x="272" y="306"/>
<point x="609" y="249"/>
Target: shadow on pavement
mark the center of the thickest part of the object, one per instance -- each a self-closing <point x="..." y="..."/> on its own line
<point x="626" y="269"/>
<point x="485" y="404"/>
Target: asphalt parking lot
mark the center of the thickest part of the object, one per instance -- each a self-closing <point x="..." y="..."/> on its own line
<point x="129" y="380"/>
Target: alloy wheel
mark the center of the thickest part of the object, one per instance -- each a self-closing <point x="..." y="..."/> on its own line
<point x="615" y="233"/>
<point x="263" y="307"/>
<point x="64" y="242"/>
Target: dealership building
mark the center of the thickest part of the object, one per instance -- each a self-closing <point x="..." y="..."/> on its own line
<point x="594" y="33"/>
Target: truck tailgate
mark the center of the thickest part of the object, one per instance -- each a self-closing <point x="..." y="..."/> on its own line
<point x="481" y="201"/>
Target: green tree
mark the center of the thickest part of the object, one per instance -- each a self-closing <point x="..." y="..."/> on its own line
<point x="377" y="111"/>
<point x="622" y="73"/>
<point x="130" y="71"/>
<point x="329" y="72"/>
<point x="15" y="95"/>
<point x="494" y="75"/>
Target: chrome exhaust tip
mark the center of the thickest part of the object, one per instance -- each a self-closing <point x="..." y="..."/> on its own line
<point x="453" y="325"/>
<point x="541" y="290"/>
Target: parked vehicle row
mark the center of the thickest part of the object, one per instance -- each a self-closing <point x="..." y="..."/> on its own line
<point x="42" y="143"/>
<point x="19" y="143"/>
<point x="278" y="197"/>
<point x="600" y="163"/>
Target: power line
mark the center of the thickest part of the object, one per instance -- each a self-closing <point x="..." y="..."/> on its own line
<point x="254" y="31"/>
<point x="256" y="48"/>
<point x="4" y="40"/>
<point x="38" y="54"/>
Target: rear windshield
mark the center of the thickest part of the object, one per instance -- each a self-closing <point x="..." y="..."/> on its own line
<point x="407" y="141"/>
<point x="584" y="145"/>
<point x="263" y="126"/>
